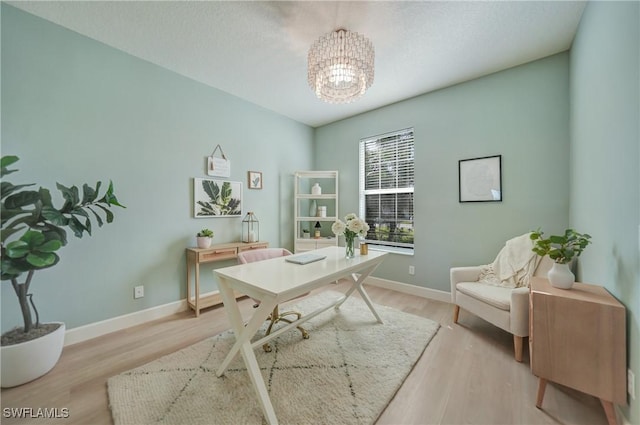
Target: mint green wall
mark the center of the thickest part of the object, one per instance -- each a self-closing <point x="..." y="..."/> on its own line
<point x="75" y="111"/>
<point x="605" y="158"/>
<point x="521" y="113"/>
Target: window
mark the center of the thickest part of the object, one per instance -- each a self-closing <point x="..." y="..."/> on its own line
<point x="386" y="188"/>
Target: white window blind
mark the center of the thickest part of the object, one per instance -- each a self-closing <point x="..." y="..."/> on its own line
<point x="386" y="188"/>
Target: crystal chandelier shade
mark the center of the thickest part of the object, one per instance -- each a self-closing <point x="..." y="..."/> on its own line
<point x="340" y="66"/>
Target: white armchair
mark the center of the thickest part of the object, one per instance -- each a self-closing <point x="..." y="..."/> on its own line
<point x="504" y="307"/>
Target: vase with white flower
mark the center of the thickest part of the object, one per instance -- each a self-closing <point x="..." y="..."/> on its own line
<point x="351" y="227"/>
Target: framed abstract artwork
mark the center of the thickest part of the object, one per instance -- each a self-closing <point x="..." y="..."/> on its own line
<point x="480" y="179"/>
<point x="216" y="198"/>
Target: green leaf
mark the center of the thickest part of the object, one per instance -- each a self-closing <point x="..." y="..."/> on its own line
<point x="88" y="194"/>
<point x="50" y="246"/>
<point x="6" y="161"/>
<point x="225" y="194"/>
<point x="17" y="249"/>
<point x="8" y="188"/>
<point x="54" y="216"/>
<point x="21" y="199"/>
<point x="107" y="212"/>
<point x="71" y="196"/>
<point x="96" y="216"/>
<point x="41" y="259"/>
<point x="77" y="227"/>
<point x="109" y="197"/>
<point x="211" y="189"/>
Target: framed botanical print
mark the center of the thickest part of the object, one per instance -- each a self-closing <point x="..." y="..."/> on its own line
<point x="216" y="198"/>
<point x="255" y="180"/>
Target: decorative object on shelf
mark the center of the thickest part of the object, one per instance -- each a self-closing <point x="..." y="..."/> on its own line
<point x="561" y="249"/>
<point x="322" y="211"/>
<point x="255" y="180"/>
<point x="480" y="179"/>
<point x="316" y="189"/>
<point x="313" y="208"/>
<point x="250" y="228"/>
<point x="216" y="198"/>
<point x="218" y="166"/>
<point x="33" y="229"/>
<point x="204" y="238"/>
<point x="306" y="234"/>
<point x="352" y="226"/>
<point x="318" y="227"/>
<point x="340" y="66"/>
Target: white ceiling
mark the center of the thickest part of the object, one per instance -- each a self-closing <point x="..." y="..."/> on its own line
<point x="257" y="50"/>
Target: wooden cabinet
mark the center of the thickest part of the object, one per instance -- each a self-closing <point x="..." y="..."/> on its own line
<point x="220" y="252"/>
<point x="577" y="338"/>
<point x="308" y="206"/>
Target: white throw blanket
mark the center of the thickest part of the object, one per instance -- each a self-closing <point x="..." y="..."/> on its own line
<point x="514" y="264"/>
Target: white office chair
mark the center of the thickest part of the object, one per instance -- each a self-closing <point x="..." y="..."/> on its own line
<point x="275" y="316"/>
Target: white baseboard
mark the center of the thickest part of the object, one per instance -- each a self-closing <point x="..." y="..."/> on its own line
<point x="420" y="291"/>
<point x="621" y="417"/>
<point x="93" y="330"/>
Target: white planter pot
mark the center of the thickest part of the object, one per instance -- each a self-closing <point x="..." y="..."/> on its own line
<point x="204" y="242"/>
<point x="560" y="276"/>
<point x="24" y="362"/>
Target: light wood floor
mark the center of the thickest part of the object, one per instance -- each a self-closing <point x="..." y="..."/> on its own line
<point x="467" y="374"/>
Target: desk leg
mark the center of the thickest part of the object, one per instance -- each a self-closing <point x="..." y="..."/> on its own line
<point x="243" y="344"/>
<point x="357" y="284"/>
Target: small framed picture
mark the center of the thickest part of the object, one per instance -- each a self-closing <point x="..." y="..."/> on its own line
<point x="480" y="179"/>
<point x="255" y="180"/>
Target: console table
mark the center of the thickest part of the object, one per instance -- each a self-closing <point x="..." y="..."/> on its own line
<point x="219" y="252"/>
<point x="577" y="338"/>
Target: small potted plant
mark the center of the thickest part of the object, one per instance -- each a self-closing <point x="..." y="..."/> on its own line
<point x="561" y="249"/>
<point x="204" y="237"/>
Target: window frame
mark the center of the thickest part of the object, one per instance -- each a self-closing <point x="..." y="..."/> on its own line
<point x="395" y="247"/>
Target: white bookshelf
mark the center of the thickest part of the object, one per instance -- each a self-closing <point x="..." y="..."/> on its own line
<point x="304" y="180"/>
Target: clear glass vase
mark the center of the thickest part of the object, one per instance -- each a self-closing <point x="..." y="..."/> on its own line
<point x="349" y="246"/>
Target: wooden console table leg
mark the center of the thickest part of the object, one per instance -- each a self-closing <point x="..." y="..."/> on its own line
<point x="456" y="313"/>
<point x="542" y="385"/>
<point x="609" y="411"/>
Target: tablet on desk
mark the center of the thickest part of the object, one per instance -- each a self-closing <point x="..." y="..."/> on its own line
<point x="305" y="258"/>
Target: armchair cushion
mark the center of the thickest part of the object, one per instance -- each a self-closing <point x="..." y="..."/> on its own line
<point x="496" y="296"/>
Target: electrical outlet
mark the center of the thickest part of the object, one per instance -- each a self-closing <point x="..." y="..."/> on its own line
<point x="412" y="270"/>
<point x="631" y="384"/>
<point x="138" y="292"/>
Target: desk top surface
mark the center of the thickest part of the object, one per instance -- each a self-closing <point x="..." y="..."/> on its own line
<point x="277" y="276"/>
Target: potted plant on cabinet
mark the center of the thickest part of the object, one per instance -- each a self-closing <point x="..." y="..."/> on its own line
<point x="561" y="249"/>
<point x="204" y="237"/>
<point x="33" y="230"/>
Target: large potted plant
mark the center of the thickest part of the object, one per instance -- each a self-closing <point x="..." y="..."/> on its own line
<point x="33" y="230"/>
<point x="561" y="249"/>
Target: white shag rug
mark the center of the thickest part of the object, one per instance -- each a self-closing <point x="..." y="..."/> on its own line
<point x="345" y="373"/>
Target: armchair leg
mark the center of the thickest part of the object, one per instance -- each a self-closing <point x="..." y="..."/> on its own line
<point x="456" y="313"/>
<point x="517" y="345"/>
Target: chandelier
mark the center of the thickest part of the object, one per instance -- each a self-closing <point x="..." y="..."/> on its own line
<point x="340" y="66"/>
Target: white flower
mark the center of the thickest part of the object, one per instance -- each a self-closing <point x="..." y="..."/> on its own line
<point x="354" y="226"/>
<point x="350" y="216"/>
<point x="338" y="228"/>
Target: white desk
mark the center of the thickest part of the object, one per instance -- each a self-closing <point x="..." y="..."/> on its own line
<point x="276" y="281"/>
